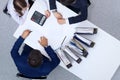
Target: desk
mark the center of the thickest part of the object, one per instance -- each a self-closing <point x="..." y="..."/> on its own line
<point x="103" y="58"/>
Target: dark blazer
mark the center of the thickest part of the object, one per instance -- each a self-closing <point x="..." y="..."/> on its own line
<point x="80" y="6"/>
<point x="24" y="68"/>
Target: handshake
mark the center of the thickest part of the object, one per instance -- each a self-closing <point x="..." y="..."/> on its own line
<point x="58" y="16"/>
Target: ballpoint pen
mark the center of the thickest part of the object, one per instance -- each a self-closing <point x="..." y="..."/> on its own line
<point x="63" y="40"/>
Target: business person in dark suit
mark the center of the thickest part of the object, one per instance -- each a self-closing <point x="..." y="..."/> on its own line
<point x="78" y="6"/>
<point x="31" y="63"/>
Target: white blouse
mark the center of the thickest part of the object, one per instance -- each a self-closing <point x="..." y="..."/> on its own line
<point x="15" y="15"/>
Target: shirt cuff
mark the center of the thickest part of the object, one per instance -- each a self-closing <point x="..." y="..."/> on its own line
<point x="54" y="10"/>
<point x="46" y="46"/>
<point x="67" y="21"/>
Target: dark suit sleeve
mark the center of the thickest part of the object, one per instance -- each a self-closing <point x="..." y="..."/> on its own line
<point x="52" y="4"/>
<point x="55" y="60"/>
<point x="81" y="17"/>
<point x="14" y="52"/>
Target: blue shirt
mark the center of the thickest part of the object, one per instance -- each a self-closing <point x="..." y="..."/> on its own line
<point x="23" y="66"/>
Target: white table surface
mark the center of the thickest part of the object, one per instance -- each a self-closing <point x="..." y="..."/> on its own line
<point x="103" y="59"/>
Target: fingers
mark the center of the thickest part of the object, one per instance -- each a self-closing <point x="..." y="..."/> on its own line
<point x="42" y="38"/>
<point x="43" y="41"/>
<point x="25" y="33"/>
<point x="59" y="18"/>
<point x="39" y="41"/>
<point x="47" y="13"/>
<point x="58" y="15"/>
<point x="61" y="21"/>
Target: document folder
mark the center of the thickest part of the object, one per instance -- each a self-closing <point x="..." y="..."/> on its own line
<point x="71" y="54"/>
<point x="85" y="30"/>
<point x="74" y="49"/>
<point x="85" y="41"/>
<point x="76" y="43"/>
<point x="64" y="59"/>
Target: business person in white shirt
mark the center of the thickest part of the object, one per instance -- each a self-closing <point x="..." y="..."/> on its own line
<point x="18" y="9"/>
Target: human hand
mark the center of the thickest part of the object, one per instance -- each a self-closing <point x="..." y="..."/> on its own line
<point x="61" y="21"/>
<point x="57" y="15"/>
<point x="25" y="34"/>
<point x="47" y="13"/>
<point x="43" y="41"/>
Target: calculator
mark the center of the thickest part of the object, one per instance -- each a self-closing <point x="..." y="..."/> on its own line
<point x="38" y="18"/>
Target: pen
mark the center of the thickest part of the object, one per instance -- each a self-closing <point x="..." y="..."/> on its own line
<point x="63" y="40"/>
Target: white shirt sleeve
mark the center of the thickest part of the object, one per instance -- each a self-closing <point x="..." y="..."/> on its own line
<point x="45" y="4"/>
<point x="14" y="14"/>
<point x="67" y="21"/>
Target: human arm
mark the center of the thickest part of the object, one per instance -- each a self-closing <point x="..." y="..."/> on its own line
<point x="14" y="14"/>
<point x="14" y="52"/>
<point x="80" y="17"/>
<point x="53" y="8"/>
<point x="44" y="5"/>
<point x="54" y="58"/>
<point x="47" y="13"/>
<point x="74" y="19"/>
<point x="58" y="15"/>
<point x="52" y="4"/>
<point x="82" y="8"/>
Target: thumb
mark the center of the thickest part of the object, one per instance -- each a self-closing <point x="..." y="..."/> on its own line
<point x="39" y="41"/>
<point x="47" y="15"/>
